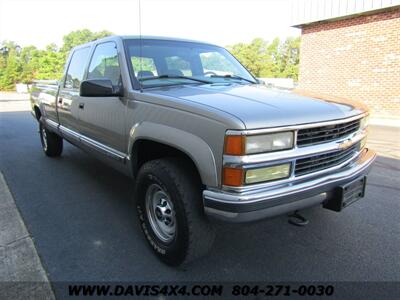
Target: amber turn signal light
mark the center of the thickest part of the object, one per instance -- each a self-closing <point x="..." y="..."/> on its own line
<point x="234" y="144"/>
<point x="232" y="176"/>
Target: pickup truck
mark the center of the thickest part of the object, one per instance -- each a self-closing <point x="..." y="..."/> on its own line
<point x="203" y="139"/>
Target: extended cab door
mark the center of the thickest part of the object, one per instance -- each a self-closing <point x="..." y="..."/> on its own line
<point x="68" y="96"/>
<point x="102" y="119"/>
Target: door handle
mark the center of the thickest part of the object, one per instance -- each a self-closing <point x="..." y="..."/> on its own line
<point x="60" y="100"/>
<point x="81" y="105"/>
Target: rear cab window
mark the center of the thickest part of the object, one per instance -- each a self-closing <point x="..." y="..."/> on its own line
<point x="76" y="68"/>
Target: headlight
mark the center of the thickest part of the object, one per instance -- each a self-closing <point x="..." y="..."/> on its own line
<point x="364" y="122"/>
<point x="267" y="174"/>
<point x="269" y="142"/>
<point x="239" y="177"/>
<point x="241" y="145"/>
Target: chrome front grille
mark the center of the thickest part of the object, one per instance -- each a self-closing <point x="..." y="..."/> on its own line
<point x="320" y="162"/>
<point x="324" y="134"/>
<point x="320" y="149"/>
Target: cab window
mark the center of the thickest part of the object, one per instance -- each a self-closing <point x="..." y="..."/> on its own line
<point x="76" y="68"/>
<point x="104" y="63"/>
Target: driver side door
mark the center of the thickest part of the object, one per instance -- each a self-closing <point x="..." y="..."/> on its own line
<point x="102" y="119"/>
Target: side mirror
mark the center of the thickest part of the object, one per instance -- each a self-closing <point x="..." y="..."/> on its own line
<point x="98" y="88"/>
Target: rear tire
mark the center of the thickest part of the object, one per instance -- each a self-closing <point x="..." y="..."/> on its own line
<point x="169" y="204"/>
<point x="52" y="144"/>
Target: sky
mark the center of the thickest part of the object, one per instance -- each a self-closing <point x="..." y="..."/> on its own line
<point x="222" y="22"/>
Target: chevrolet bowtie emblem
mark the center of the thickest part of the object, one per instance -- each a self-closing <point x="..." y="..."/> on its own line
<point x="345" y="144"/>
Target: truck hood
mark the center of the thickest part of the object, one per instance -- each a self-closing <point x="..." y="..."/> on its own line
<point x="260" y="107"/>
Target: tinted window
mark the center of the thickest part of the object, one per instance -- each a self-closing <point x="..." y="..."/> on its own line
<point x="104" y="63"/>
<point x="76" y="68"/>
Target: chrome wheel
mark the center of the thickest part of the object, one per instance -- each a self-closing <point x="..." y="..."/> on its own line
<point x="160" y="212"/>
<point x="44" y="138"/>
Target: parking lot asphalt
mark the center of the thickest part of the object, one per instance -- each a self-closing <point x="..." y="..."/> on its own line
<point x="82" y="218"/>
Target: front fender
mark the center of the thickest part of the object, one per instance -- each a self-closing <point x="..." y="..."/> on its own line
<point x="193" y="146"/>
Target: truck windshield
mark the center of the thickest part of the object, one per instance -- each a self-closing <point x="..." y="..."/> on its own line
<point x="165" y="62"/>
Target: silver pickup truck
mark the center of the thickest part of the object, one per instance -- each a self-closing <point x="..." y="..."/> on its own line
<point x="203" y="139"/>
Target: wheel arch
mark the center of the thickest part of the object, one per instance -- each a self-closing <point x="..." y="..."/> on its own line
<point x="38" y="113"/>
<point x="150" y="141"/>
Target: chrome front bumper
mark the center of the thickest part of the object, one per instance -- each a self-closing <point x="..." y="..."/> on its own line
<point x="277" y="200"/>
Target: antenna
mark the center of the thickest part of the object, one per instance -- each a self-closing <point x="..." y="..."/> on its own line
<point x="140" y="40"/>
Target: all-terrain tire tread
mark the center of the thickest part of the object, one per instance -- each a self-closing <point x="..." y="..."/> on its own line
<point x="201" y="232"/>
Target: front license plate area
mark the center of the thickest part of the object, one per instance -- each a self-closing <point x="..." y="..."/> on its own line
<point x="347" y="194"/>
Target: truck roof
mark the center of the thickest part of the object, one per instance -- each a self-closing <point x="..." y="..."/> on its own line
<point x="137" y="37"/>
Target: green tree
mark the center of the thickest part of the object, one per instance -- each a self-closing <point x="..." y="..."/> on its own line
<point x="79" y="37"/>
<point x="275" y="59"/>
<point x="49" y="63"/>
<point x="289" y="58"/>
<point x="11" y="66"/>
<point x="253" y="56"/>
<point x="31" y="63"/>
<point x="263" y="59"/>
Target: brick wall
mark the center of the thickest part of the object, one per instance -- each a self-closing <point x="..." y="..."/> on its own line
<point x="357" y="58"/>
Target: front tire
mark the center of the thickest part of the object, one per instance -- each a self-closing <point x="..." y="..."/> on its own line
<point x="169" y="204"/>
<point x="52" y="144"/>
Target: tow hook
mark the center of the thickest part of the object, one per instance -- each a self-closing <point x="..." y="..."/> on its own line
<point x="296" y="219"/>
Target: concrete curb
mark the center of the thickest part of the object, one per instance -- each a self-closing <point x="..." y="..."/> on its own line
<point x="21" y="272"/>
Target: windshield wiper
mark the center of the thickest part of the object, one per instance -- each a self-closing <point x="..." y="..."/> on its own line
<point x="233" y="77"/>
<point x="175" y="77"/>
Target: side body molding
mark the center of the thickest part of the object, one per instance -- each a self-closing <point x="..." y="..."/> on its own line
<point x="196" y="148"/>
